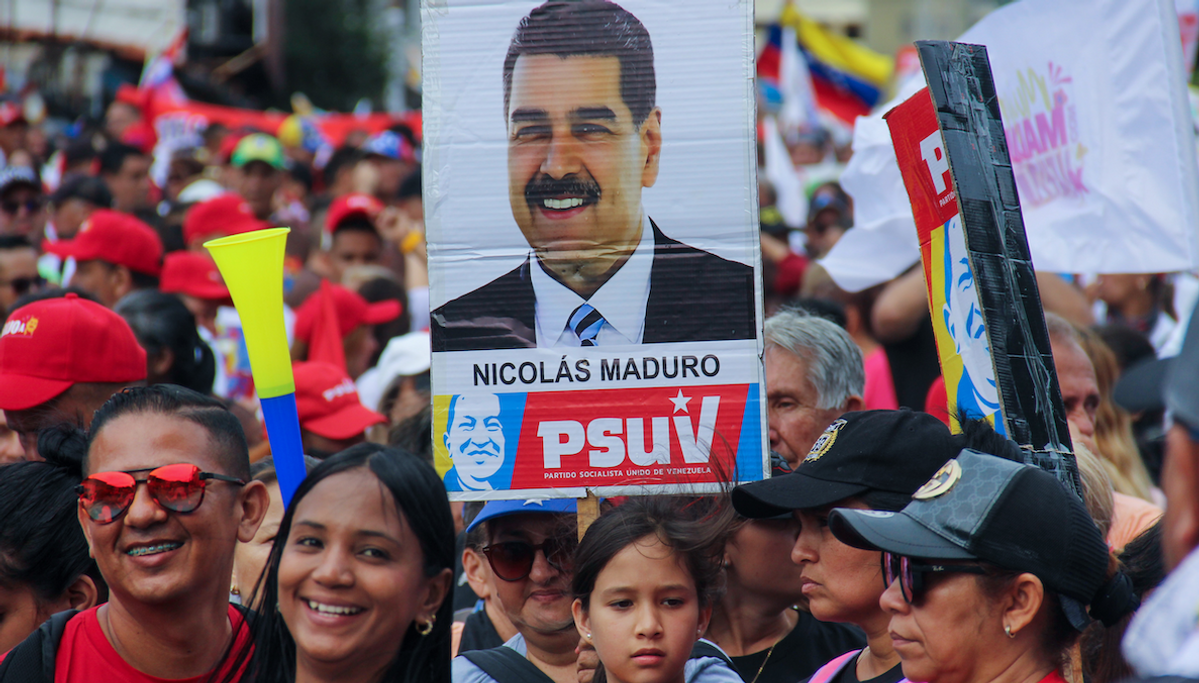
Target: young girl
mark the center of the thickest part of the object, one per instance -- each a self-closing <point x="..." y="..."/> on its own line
<point x="646" y="576"/>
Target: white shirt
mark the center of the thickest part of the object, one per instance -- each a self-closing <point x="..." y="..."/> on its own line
<point x="621" y="300"/>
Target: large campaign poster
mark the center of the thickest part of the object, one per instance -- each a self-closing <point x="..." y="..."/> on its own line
<point x="591" y="214"/>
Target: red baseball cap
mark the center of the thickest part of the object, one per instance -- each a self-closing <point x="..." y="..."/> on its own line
<point x="193" y="274"/>
<point x="221" y="216"/>
<point x="117" y="238"/>
<point x="355" y="205"/>
<point x="49" y="345"/>
<point x="352" y="311"/>
<point x="328" y="404"/>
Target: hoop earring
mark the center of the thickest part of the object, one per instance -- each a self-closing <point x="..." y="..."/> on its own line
<point x="427" y="627"/>
<point x="1008" y="630"/>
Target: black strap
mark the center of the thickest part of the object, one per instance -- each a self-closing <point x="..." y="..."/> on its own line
<point x="703" y="648"/>
<point x="506" y="665"/>
<point x="33" y="660"/>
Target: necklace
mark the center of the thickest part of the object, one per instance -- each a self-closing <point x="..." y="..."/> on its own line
<point x="763" y="666"/>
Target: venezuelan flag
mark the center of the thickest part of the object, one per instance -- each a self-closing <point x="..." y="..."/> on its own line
<point x="847" y="78"/>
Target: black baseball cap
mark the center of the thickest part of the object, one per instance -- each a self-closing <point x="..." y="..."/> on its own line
<point x="1015" y="516"/>
<point x="893" y="451"/>
<point x="85" y="187"/>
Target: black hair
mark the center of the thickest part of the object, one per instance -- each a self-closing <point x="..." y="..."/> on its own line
<point x="415" y="434"/>
<point x="421" y="501"/>
<point x="1129" y="345"/>
<point x="222" y="426"/>
<point x="41" y="543"/>
<point x="357" y="224"/>
<point x="589" y="28"/>
<point x="161" y="323"/>
<point x="1145" y="567"/>
<point x="343" y="157"/>
<point x="51" y="293"/>
<point x="114" y="155"/>
<point x="411" y="187"/>
<point x="688" y="526"/>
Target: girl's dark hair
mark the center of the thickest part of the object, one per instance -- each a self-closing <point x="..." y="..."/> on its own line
<point x="162" y="323"/>
<point x="41" y="543"/>
<point x="420" y="498"/>
<point x="694" y="528"/>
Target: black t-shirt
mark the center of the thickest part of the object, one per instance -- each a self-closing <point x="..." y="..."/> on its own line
<point x="849" y="674"/>
<point x="801" y="652"/>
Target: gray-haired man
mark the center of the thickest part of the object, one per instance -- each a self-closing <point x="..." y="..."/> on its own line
<point x="814" y="373"/>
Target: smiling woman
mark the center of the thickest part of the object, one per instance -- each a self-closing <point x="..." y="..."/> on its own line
<point x="355" y="588"/>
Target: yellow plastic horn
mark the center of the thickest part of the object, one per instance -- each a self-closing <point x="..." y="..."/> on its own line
<point x="252" y="265"/>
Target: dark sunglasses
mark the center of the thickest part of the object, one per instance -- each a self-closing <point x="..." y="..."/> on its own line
<point x="11" y="208"/>
<point x="513" y="560"/>
<point x="912" y="575"/>
<point x="22" y="285"/>
<point x="179" y="488"/>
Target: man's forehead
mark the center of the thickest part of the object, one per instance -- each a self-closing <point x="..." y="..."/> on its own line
<point x="531" y="524"/>
<point x="148" y="440"/>
<point x="561" y="84"/>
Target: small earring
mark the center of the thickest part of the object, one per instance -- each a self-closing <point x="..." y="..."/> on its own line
<point x="427" y="627"/>
<point x="234" y="590"/>
<point x="589" y="635"/>
<point x="1008" y="630"/>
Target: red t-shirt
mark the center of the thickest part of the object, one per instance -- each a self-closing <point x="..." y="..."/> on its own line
<point x="86" y="656"/>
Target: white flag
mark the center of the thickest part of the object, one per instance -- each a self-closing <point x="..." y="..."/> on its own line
<point x="1100" y="135"/>
<point x="795" y="83"/>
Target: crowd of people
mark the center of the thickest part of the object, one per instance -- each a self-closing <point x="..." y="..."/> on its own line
<point x="144" y="535"/>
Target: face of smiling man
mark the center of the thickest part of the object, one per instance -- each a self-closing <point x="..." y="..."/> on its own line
<point x="576" y="165"/>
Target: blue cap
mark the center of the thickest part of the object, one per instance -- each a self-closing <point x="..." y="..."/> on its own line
<point x="390" y="145"/>
<point x="503" y="508"/>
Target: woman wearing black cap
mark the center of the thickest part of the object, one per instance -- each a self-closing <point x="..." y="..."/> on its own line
<point x="870" y="460"/>
<point x="990" y="570"/>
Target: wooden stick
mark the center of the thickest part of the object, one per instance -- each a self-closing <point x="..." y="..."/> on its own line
<point x="588" y="512"/>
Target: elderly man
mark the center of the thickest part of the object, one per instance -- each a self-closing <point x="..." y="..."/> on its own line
<point x="814" y="373"/>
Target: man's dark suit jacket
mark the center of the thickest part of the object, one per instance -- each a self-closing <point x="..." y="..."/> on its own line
<point x="693" y="296"/>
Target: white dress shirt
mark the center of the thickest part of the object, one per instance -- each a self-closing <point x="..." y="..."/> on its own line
<point x="621" y="300"/>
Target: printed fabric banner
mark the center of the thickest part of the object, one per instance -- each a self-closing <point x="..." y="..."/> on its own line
<point x="591" y="214"/>
<point x="1100" y="133"/>
<point x="962" y="342"/>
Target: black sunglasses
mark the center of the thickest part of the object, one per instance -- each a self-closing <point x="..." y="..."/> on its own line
<point x="513" y="560"/>
<point x="912" y="575"/>
<point x="11" y="208"/>
<point x="22" y="285"/>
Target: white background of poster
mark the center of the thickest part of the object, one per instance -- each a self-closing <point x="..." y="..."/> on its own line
<point x="705" y="195"/>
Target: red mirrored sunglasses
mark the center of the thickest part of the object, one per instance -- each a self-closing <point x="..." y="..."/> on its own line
<point x="178" y="488"/>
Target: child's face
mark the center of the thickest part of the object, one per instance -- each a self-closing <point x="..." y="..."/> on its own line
<point x="644" y="614"/>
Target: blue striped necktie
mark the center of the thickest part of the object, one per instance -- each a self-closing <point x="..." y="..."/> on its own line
<point x="586" y="323"/>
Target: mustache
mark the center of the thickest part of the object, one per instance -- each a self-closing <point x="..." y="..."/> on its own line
<point x="544" y="187"/>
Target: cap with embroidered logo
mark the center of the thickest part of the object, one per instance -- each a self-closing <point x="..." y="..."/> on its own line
<point x="984" y="507"/>
<point x="327" y="402"/>
<point x="893" y="451"/>
<point x="49" y="345"/>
